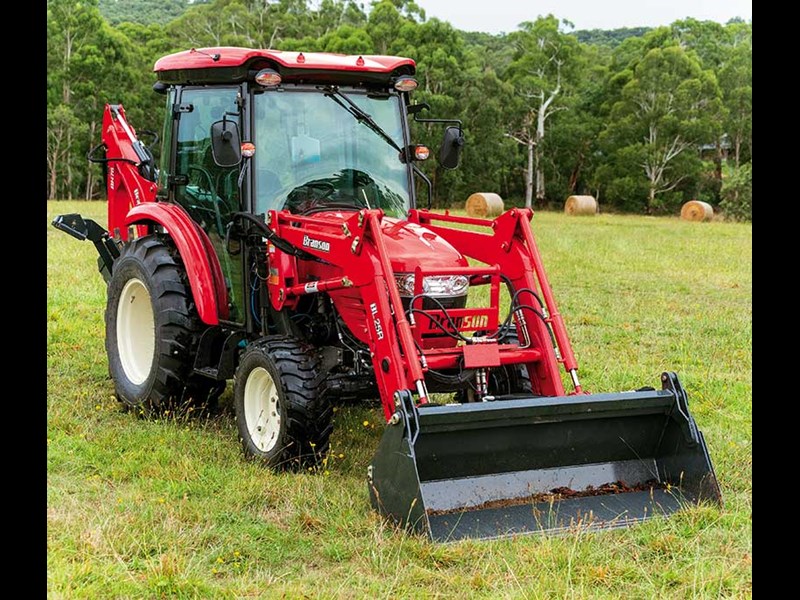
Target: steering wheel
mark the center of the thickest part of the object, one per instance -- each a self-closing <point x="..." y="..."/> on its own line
<point x="326" y="187"/>
<point x="307" y="196"/>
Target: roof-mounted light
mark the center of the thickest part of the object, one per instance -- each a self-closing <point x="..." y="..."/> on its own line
<point x="268" y="78"/>
<point x="405" y="84"/>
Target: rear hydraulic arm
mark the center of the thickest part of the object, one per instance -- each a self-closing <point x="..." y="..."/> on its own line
<point x="130" y="172"/>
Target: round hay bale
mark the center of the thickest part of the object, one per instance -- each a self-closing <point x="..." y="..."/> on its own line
<point x="580" y="205"/>
<point x="694" y="210"/>
<point x="484" y="204"/>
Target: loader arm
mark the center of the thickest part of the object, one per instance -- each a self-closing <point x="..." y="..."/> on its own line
<point x="545" y="461"/>
<point x="357" y="244"/>
<point x="512" y="247"/>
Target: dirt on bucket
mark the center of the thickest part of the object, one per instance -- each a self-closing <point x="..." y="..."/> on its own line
<point x="556" y="494"/>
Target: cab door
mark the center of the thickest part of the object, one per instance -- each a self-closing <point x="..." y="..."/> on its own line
<point x="209" y="193"/>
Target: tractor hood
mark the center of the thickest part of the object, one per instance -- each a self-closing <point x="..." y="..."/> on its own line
<point x="411" y="245"/>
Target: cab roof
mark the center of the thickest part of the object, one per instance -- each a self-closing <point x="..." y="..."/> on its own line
<point x="227" y="64"/>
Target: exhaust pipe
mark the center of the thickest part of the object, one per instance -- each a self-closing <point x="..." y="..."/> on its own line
<point x="545" y="464"/>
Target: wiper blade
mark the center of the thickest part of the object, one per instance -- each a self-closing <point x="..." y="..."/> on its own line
<point x="360" y="115"/>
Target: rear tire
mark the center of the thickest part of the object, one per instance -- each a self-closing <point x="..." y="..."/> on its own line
<point x="152" y="327"/>
<point x="282" y="410"/>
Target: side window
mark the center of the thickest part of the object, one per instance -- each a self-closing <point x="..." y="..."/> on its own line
<point x="211" y="193"/>
<point x="166" y="146"/>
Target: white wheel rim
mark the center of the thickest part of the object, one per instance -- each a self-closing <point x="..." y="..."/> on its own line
<point x="261" y="411"/>
<point x="136" y="333"/>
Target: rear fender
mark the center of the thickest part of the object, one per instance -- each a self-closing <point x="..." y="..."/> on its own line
<point x="197" y="253"/>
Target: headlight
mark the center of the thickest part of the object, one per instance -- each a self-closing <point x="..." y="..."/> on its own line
<point x="441" y="286"/>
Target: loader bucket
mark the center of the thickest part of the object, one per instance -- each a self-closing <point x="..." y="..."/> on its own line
<point x="528" y="465"/>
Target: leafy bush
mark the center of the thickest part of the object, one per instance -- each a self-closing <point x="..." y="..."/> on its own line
<point x="737" y="194"/>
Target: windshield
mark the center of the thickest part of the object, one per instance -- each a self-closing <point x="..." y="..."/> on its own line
<point x="312" y="155"/>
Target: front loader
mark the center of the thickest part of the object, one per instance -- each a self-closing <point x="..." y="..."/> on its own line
<point x="280" y="243"/>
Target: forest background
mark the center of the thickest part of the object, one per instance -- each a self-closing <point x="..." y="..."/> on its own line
<point x="644" y="119"/>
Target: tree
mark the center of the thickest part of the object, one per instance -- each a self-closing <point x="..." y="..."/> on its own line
<point x="86" y="63"/>
<point x="542" y="63"/>
<point x="668" y="108"/>
<point x="570" y="151"/>
<point x="215" y="24"/>
<point x="707" y="39"/>
<point x="488" y="157"/>
<point x="142" y="11"/>
<point x="608" y="37"/>
<point x="62" y="128"/>
<point x="385" y="21"/>
<point x="442" y="66"/>
<point x="736" y="82"/>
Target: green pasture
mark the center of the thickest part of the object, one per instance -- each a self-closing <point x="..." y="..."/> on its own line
<point x="168" y="508"/>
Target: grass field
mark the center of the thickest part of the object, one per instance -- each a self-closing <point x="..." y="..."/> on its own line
<point x="168" y="508"/>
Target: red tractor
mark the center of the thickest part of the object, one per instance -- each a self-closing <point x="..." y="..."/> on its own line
<point x="279" y="242"/>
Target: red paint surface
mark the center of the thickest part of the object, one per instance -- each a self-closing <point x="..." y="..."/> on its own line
<point x="231" y="56"/>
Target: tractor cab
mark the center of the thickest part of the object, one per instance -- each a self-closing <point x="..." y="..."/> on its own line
<point x="313" y="133"/>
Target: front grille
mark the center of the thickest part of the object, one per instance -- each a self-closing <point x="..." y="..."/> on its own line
<point x="429" y="304"/>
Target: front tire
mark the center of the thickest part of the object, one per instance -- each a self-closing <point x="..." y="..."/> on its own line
<point x="152" y="327"/>
<point x="282" y="412"/>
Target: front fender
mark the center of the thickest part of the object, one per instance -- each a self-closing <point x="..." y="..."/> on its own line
<point x="197" y="253"/>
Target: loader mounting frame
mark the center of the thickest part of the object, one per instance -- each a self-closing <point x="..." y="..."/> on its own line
<point x="400" y="358"/>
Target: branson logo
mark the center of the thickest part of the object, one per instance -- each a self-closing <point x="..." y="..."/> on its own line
<point x="316" y="244"/>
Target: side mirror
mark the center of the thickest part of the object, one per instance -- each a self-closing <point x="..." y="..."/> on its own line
<point x="226" y="145"/>
<point x="450" y="152"/>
